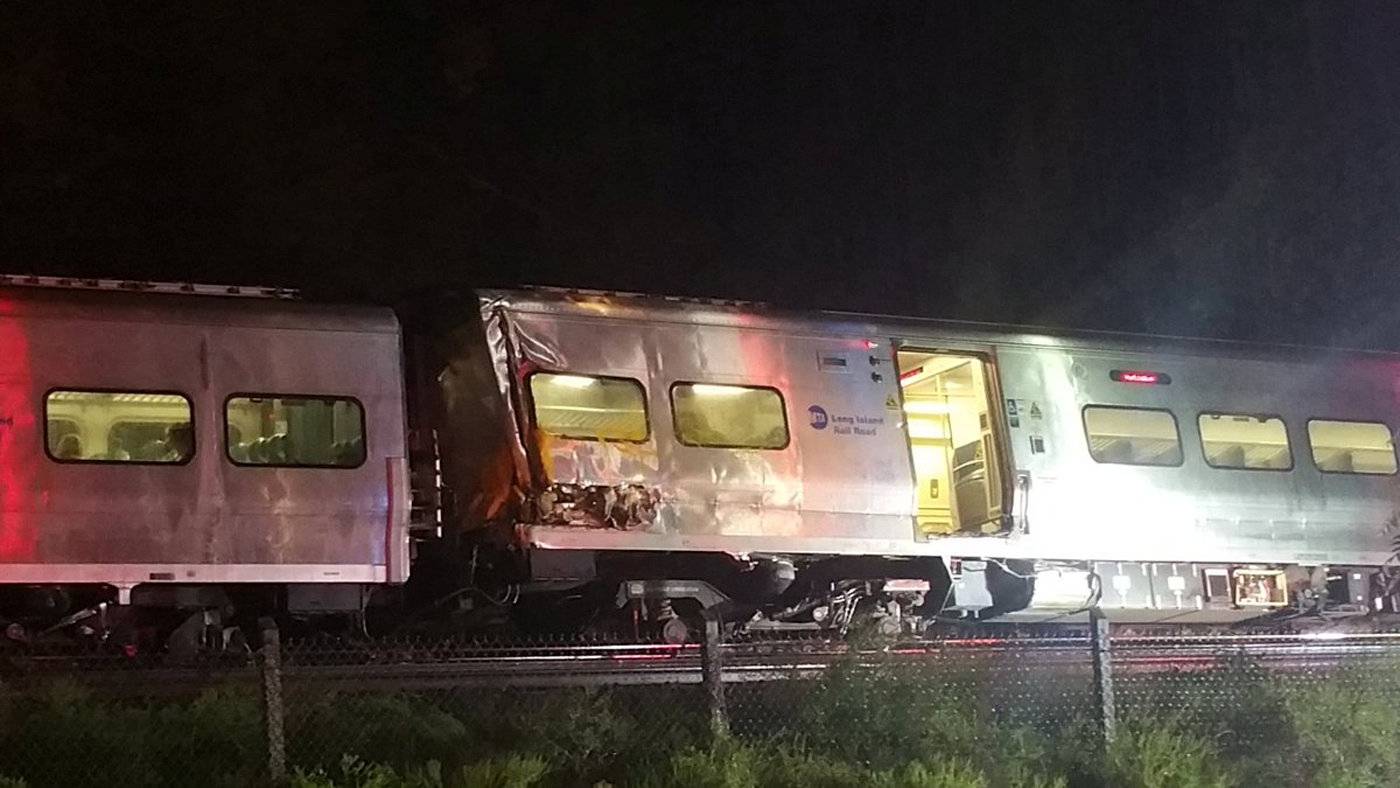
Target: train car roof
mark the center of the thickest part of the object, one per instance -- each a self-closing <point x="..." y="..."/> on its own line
<point x="750" y="314"/>
<point x="201" y="309"/>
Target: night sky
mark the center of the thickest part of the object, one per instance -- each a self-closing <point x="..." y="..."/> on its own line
<point x="1213" y="169"/>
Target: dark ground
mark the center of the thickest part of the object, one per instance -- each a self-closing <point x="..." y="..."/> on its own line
<point x="1188" y="168"/>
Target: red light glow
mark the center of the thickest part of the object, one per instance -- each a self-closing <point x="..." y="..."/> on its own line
<point x="18" y="536"/>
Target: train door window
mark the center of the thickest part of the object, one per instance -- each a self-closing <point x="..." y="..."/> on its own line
<point x="1132" y="436"/>
<point x="1243" y="442"/>
<point x="589" y="407"/>
<point x="295" y="432"/>
<point x="118" y="426"/>
<point x="1351" y="447"/>
<point x="729" y="417"/>
<point x="957" y="473"/>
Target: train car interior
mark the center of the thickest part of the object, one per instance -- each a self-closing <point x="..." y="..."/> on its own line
<point x="297" y="431"/>
<point x="1352" y="447"/>
<point x="101" y="426"/>
<point x="1135" y="436"/>
<point x="1245" y="442"/>
<point x="950" y="424"/>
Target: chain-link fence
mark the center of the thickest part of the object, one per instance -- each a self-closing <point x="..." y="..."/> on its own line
<point x="987" y="707"/>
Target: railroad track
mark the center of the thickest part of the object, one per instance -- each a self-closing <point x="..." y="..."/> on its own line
<point x="398" y="667"/>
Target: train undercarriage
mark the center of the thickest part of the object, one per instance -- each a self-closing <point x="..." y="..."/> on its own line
<point x="668" y="597"/>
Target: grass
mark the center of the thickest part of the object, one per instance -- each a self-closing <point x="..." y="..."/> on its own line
<point x="1346" y="734"/>
<point x="512" y="771"/>
<point x="64" y="736"/>
<point x="862" y="725"/>
<point x="1165" y="755"/>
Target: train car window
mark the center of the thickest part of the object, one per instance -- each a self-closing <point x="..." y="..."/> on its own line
<point x="118" y="427"/>
<point x="1243" y="442"/>
<point x="1351" y="447"/>
<point x="589" y="407"/>
<point x="1132" y="436"/>
<point x="294" y="432"/>
<point x="729" y="417"/>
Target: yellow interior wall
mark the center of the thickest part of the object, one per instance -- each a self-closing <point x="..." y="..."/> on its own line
<point x="943" y="408"/>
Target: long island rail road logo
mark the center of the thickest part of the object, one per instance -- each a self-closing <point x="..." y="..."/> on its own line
<point x="842" y="424"/>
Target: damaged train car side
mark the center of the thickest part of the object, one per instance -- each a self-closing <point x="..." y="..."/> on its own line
<point x="807" y="468"/>
<point x="685" y="460"/>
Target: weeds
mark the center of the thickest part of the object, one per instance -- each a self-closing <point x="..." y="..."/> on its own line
<point x="731" y="764"/>
<point x="1345" y="735"/>
<point x="64" y="736"/>
<point x="400" y="730"/>
<point x="514" y="771"/>
<point x="510" y="772"/>
<point x="863" y="724"/>
<point x="1164" y="755"/>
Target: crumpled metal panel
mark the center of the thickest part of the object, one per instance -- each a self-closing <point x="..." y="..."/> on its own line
<point x="582" y="347"/>
<point x="589" y="483"/>
<point x="625" y="506"/>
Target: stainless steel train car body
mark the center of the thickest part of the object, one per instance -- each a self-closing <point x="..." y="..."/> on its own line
<point x="853" y="492"/>
<point x="207" y="520"/>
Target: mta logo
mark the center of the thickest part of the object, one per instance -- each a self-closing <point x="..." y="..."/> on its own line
<point x="817" y="416"/>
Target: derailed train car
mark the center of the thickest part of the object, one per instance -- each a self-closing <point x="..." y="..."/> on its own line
<point x="595" y="454"/>
<point x="807" y="465"/>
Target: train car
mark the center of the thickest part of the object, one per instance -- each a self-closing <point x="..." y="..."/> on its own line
<point x="705" y="451"/>
<point x="186" y="452"/>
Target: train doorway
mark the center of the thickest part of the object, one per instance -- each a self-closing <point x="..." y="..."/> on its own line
<point x="957" y="467"/>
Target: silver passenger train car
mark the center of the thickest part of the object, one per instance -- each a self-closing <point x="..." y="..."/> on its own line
<point x="1155" y="479"/>
<point x="660" y="457"/>
<point x="178" y="450"/>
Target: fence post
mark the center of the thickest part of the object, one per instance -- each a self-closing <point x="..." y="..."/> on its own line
<point x="1101" y="647"/>
<point x="711" y="672"/>
<point x="273" y="711"/>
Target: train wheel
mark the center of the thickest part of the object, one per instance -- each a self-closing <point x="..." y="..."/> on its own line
<point x="676" y="631"/>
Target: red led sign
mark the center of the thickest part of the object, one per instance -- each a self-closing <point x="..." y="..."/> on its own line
<point x="1140" y="376"/>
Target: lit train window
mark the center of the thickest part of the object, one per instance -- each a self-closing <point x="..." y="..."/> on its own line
<point x="588" y="407"/>
<point x="1351" y="447"/>
<point x="1245" y="442"/>
<point x="294" y="432"/>
<point x="1132" y="436"/>
<point x="118" y="426"/>
<point x="729" y="417"/>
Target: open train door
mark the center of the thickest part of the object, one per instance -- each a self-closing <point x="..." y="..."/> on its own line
<point x="950" y="405"/>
